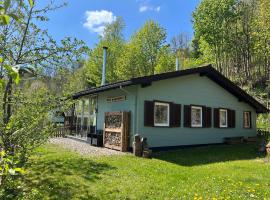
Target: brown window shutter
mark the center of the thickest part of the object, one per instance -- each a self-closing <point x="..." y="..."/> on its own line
<point x="187" y="116"/>
<point x="207" y="117"/>
<point x="175" y="115"/>
<point x="216" y="117"/>
<point x="250" y="118"/>
<point x="204" y="112"/>
<point x="231" y="118"/>
<point x="148" y="113"/>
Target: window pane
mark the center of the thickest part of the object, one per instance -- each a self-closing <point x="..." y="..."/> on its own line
<point x="86" y="106"/>
<point x="223" y="118"/>
<point x="93" y="105"/>
<point x="196" y="118"/>
<point x="78" y="108"/>
<point x="161" y="114"/>
<point x="247" y="119"/>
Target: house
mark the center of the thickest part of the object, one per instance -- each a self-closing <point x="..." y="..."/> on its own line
<point x="187" y="107"/>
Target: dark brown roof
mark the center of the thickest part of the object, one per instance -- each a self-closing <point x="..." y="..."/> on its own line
<point x="208" y="71"/>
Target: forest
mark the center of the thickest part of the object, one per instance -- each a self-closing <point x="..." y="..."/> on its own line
<point x="38" y="73"/>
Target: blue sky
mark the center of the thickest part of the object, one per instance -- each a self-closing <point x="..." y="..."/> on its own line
<point x="84" y="19"/>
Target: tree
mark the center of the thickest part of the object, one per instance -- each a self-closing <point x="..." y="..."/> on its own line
<point x="141" y="55"/>
<point x="261" y="37"/>
<point x="114" y="40"/>
<point x="24" y="45"/>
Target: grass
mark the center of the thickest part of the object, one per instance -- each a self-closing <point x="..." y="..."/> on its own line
<point x="214" y="172"/>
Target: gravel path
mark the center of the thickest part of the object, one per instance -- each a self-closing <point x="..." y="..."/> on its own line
<point x="84" y="148"/>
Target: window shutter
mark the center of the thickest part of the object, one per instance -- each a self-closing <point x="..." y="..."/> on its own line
<point x="207" y="117"/>
<point x="148" y="113"/>
<point x="216" y="117"/>
<point x="187" y="116"/>
<point x="204" y="116"/>
<point x="231" y="118"/>
<point x="175" y="115"/>
<point x="250" y="120"/>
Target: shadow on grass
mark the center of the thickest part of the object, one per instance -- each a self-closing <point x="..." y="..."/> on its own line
<point x="65" y="177"/>
<point x="192" y="156"/>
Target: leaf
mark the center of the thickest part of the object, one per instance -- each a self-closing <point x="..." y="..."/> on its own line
<point x="31" y="3"/>
<point x="19" y="170"/>
<point x="13" y="72"/>
<point x="5" y="19"/>
<point x="12" y="172"/>
<point x="2" y="153"/>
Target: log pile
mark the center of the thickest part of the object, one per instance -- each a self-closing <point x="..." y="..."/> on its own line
<point x="141" y="148"/>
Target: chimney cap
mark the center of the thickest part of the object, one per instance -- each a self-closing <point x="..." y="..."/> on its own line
<point x="105" y="47"/>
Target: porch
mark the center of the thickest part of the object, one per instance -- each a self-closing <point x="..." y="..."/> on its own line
<point x="82" y="121"/>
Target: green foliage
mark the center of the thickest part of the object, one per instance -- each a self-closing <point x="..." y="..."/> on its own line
<point x="141" y="56"/>
<point x="12" y="72"/>
<point x="165" y="60"/>
<point x="31" y="3"/>
<point x="28" y="51"/>
<point x="28" y="127"/>
<point x="113" y="39"/>
<point x="138" y="57"/>
<point x="6" y="164"/>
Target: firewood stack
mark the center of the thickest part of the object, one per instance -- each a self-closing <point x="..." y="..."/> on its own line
<point x="137" y="146"/>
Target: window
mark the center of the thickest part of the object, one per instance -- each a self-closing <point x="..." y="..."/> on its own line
<point x="196" y="116"/>
<point x="223" y="118"/>
<point x="161" y="114"/>
<point x="247" y="117"/>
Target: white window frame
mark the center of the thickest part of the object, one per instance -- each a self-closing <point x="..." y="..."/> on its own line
<point x="167" y="124"/>
<point x="221" y="125"/>
<point x="249" y="118"/>
<point x="201" y="117"/>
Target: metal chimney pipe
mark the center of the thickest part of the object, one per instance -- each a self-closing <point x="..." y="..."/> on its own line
<point x="103" y="80"/>
<point x="177" y="68"/>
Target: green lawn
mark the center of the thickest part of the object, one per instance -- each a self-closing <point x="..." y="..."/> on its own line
<point x="216" y="172"/>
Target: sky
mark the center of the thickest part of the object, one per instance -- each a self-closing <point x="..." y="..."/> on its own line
<point x="85" y="19"/>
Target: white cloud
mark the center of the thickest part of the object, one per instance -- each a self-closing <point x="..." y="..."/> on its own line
<point x="144" y="8"/>
<point x="96" y="20"/>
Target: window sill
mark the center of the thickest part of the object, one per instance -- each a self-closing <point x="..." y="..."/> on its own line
<point x="196" y="127"/>
<point x="160" y="126"/>
<point x="247" y="127"/>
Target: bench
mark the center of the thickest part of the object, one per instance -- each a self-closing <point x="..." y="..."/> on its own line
<point x="233" y="140"/>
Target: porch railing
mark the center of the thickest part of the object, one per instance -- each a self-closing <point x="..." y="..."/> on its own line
<point x="60" y="132"/>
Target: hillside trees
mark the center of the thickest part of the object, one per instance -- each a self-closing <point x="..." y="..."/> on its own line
<point x="234" y="35"/>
